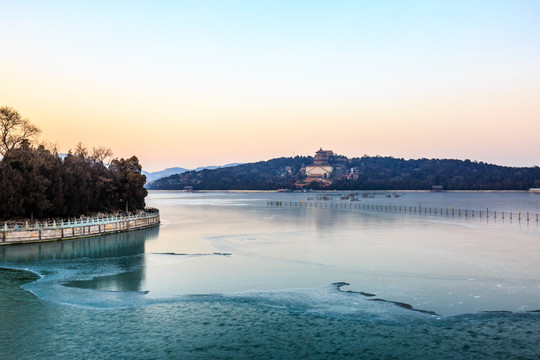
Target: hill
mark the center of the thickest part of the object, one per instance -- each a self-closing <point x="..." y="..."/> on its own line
<point x="365" y="173"/>
<point x="153" y="176"/>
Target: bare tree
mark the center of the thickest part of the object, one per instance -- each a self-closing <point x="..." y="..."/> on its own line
<point x="81" y="150"/>
<point x="52" y="147"/>
<point x="101" y="153"/>
<point x="14" y="130"/>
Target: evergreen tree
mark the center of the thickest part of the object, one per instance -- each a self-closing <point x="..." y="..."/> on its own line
<point x="36" y="182"/>
<point x="129" y="182"/>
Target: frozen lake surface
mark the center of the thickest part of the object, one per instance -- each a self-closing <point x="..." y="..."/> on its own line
<point x="227" y="275"/>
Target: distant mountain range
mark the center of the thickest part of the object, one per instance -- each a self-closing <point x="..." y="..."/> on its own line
<point x="153" y="176"/>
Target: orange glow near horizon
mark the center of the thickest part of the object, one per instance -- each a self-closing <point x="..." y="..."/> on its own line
<point x="205" y="92"/>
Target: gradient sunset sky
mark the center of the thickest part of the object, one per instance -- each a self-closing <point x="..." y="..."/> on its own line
<point x="195" y="83"/>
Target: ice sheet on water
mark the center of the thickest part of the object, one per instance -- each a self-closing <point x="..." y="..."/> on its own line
<point x="332" y="300"/>
<point x="327" y="301"/>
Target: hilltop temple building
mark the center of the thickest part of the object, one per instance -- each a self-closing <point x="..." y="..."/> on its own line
<point x="320" y="170"/>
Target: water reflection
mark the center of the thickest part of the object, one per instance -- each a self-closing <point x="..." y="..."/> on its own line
<point x="122" y="251"/>
<point x="115" y="245"/>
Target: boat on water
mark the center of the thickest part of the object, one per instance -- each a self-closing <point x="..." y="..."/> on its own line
<point x="535" y="190"/>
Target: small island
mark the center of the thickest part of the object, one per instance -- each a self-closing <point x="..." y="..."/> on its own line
<point x="46" y="196"/>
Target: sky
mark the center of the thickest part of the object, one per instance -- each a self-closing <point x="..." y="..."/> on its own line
<point x="197" y="83"/>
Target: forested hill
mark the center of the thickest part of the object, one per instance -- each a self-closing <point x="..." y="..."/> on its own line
<point x="263" y="175"/>
<point x="366" y="173"/>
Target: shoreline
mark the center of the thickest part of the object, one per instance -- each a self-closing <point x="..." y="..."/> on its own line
<point x="343" y="191"/>
<point x="89" y="227"/>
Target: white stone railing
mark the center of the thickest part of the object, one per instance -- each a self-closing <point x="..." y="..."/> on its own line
<point x="54" y="230"/>
<point x="78" y="222"/>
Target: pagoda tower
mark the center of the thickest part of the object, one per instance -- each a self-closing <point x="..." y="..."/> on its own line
<point x="321" y="158"/>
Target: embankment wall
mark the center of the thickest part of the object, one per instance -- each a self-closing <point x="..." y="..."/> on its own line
<point x="81" y="229"/>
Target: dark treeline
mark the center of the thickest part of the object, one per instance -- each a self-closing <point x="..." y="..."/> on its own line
<point x="263" y="175"/>
<point x="388" y="173"/>
<point x="371" y="173"/>
<point x="38" y="182"/>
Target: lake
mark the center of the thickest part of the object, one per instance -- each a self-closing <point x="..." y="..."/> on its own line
<point x="321" y="275"/>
